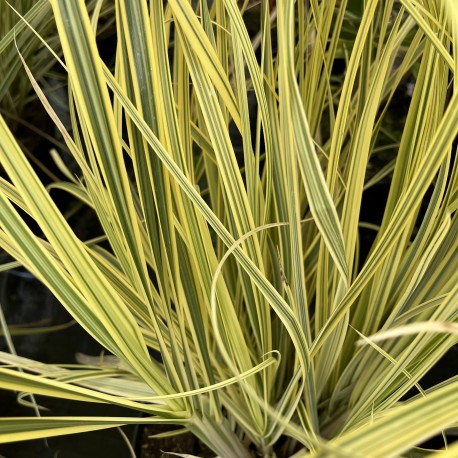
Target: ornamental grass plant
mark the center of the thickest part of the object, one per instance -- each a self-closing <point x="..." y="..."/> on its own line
<point x="230" y="287"/>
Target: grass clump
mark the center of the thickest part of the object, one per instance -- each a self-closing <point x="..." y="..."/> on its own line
<point x="242" y="267"/>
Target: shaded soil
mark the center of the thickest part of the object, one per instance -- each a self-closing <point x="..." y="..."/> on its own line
<point x="158" y="447"/>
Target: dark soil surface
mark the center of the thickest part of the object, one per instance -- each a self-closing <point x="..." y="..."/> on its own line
<point x="184" y="443"/>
